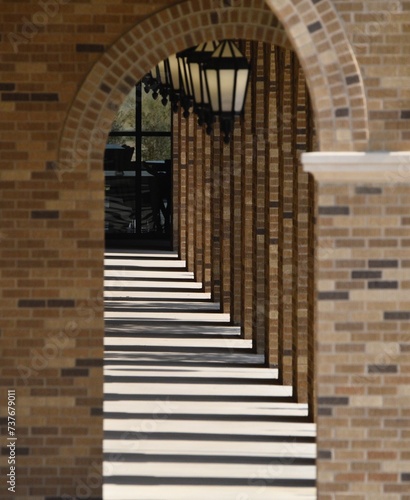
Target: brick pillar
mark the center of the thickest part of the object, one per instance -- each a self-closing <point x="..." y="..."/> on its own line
<point x="190" y="192"/>
<point x="301" y="213"/>
<point x="176" y="186"/>
<point x="363" y="324"/>
<point x="247" y="226"/>
<point x="285" y="174"/>
<point x="216" y="214"/>
<point x="207" y="235"/>
<point x="236" y="225"/>
<point x="199" y="191"/>
<point x="225" y="227"/>
<point x="259" y="85"/>
<point x="272" y="213"/>
<point x="182" y="182"/>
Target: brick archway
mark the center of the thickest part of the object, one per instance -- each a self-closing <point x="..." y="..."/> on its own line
<point x="331" y="70"/>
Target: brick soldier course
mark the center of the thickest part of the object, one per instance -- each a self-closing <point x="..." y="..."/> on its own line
<point x="65" y="68"/>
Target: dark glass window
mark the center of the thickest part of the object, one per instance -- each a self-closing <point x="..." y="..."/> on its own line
<point x="137" y="166"/>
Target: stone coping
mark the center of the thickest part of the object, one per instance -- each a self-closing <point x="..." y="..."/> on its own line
<point x="378" y="167"/>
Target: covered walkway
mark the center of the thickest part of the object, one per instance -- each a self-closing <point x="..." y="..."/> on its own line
<point x="190" y="410"/>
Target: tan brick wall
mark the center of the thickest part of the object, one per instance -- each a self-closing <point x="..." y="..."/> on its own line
<point x="379" y="35"/>
<point x="363" y="337"/>
<point x="65" y="68"/>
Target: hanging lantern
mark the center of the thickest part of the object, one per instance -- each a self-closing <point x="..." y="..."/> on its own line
<point x="174" y="81"/>
<point x="195" y="61"/>
<point x="226" y="76"/>
<point x="187" y="93"/>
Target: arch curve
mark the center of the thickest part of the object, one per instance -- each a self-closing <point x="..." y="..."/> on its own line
<point x="331" y="70"/>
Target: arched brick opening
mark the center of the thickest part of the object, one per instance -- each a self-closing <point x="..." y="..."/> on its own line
<point x="313" y="30"/>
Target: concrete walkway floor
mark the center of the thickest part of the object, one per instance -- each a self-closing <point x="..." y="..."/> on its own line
<point x="190" y="412"/>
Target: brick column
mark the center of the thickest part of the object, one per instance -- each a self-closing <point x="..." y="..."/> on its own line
<point x="259" y="85"/>
<point x="225" y="228"/>
<point x="199" y="215"/>
<point x="216" y="214"/>
<point x="363" y="324"/>
<point x="176" y="185"/>
<point x="272" y="215"/>
<point x="190" y="192"/>
<point x="207" y="236"/>
<point x="182" y="182"/>
<point x="247" y="226"/>
<point x="236" y="225"/>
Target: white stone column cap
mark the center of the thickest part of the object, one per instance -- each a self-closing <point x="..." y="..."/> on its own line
<point x="384" y="167"/>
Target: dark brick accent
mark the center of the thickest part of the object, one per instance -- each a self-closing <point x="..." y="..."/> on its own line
<point x="397" y="315"/>
<point x="339" y="113"/>
<point x="333" y="401"/>
<point x="260" y="232"/>
<point x="316" y="26"/>
<point x="388" y="285"/>
<point x="30" y="96"/>
<point x="96" y="412"/>
<point x="273" y="204"/>
<point x="405" y="114"/>
<point x="214" y="18"/>
<point x="45" y="214"/>
<point x="31" y="303"/>
<point x="44" y="97"/>
<point x="334" y="210"/>
<point x="405" y="476"/>
<point x="15" y="96"/>
<point x="382" y="369"/>
<point x="368" y="190"/>
<point x="325" y="411"/>
<point x="129" y="80"/>
<point x="51" y="165"/>
<point x="352" y="79"/>
<point x="365" y="275"/>
<point x="383" y="263"/>
<point x="324" y="454"/>
<point x="89" y="47"/>
<point x="274" y="241"/>
<point x="7" y="87"/>
<point x="21" y="451"/>
<point x="105" y="88"/>
<point x="61" y="303"/>
<point x="75" y="372"/>
<point x="288" y="215"/>
<point x="333" y="295"/>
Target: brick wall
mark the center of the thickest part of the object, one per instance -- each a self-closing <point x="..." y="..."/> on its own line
<point x="363" y="336"/>
<point x="65" y="67"/>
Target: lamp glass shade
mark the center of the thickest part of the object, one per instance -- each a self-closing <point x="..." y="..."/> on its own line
<point x="161" y="73"/>
<point x="173" y="69"/>
<point x="195" y="60"/>
<point x="184" y="71"/>
<point x="226" y="74"/>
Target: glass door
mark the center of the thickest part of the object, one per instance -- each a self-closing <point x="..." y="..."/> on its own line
<point x="138" y="174"/>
